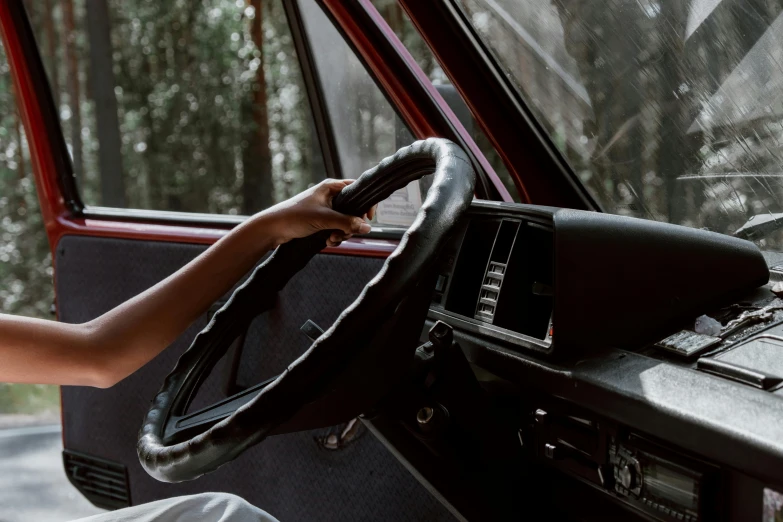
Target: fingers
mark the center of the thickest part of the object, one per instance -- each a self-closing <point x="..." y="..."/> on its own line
<point x="336" y="238"/>
<point x="333" y="187"/>
<point x="331" y="219"/>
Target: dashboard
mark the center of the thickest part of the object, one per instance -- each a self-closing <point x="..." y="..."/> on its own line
<point x="503" y="280"/>
<point x="665" y="434"/>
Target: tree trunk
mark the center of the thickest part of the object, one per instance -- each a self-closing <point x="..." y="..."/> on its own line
<point x="256" y="159"/>
<point x="51" y="50"/>
<point x="108" y="126"/>
<point x="73" y="87"/>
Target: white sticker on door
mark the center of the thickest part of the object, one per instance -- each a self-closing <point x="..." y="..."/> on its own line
<point x="401" y="207"/>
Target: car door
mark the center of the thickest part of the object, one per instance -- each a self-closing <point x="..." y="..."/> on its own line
<point x="167" y="125"/>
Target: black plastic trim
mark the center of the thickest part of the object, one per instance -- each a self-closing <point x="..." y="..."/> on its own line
<point x="103" y="482"/>
<point x="674" y="404"/>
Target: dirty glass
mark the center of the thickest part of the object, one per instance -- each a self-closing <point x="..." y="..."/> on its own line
<point x="183" y="106"/>
<point x="365" y="125"/>
<point x="666" y="110"/>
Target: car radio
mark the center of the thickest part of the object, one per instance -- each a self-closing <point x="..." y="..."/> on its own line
<point x="661" y="482"/>
<point x="657" y="484"/>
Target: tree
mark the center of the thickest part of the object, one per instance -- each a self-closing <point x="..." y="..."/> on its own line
<point x="108" y="125"/>
<point x="74" y="97"/>
<point x="257" y="192"/>
<point x="51" y="51"/>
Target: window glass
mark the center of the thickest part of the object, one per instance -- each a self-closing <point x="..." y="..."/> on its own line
<point x="398" y="20"/>
<point x="666" y="110"/>
<point x="365" y="125"/>
<point x="184" y="106"/>
<point x="25" y="262"/>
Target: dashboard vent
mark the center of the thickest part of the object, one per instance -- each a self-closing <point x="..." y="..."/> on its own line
<point x="496" y="271"/>
<point x="490" y="290"/>
<point x="102" y="482"/>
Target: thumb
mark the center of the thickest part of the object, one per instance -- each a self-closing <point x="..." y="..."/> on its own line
<point x="333" y="220"/>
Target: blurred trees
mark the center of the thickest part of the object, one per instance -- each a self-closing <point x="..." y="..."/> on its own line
<point x="187" y="106"/>
<point x="102" y="88"/>
<point x="25" y="263"/>
<point x="666" y="110"/>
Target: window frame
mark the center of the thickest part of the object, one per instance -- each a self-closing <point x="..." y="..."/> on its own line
<point x="542" y="174"/>
<point x="389" y="64"/>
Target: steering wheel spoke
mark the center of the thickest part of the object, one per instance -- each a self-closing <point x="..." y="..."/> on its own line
<point x="182" y="427"/>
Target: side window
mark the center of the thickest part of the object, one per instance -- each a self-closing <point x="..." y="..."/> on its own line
<point x="195" y="107"/>
<point x="398" y="20"/>
<point x="365" y="125"/>
<point x="25" y="262"/>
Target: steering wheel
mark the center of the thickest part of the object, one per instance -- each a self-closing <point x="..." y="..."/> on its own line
<point x="312" y="392"/>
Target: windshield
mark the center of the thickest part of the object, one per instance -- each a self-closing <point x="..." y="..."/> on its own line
<point x="666" y="110"/>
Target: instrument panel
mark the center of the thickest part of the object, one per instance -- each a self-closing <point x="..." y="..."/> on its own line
<point x="503" y="266"/>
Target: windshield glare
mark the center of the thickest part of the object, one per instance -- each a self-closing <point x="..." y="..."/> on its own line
<point x="671" y="111"/>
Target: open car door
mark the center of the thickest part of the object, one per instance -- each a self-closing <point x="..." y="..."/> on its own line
<point x="287" y="100"/>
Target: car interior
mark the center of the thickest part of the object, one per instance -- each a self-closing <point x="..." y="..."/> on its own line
<point x="517" y="338"/>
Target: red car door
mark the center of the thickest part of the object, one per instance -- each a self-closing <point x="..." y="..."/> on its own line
<point x="125" y="204"/>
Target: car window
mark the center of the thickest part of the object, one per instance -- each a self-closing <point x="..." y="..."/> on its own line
<point x="401" y="24"/>
<point x="25" y="261"/>
<point x="670" y="111"/>
<point x="182" y="106"/>
<point x="365" y="125"/>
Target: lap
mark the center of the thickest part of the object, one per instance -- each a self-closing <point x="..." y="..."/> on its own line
<point x="206" y="507"/>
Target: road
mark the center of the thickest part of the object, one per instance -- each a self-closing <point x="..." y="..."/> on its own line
<point x="33" y="486"/>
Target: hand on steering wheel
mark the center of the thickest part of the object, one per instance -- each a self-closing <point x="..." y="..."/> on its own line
<point x="174" y="446"/>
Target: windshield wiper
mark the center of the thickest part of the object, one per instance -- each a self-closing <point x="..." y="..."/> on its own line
<point x="759" y="226"/>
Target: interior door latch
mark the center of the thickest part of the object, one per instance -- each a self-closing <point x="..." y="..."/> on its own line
<point x="311" y="330"/>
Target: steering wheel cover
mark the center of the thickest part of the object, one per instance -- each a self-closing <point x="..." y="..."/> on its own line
<point x="309" y="376"/>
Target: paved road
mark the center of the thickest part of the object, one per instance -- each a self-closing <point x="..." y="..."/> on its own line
<point x="33" y="486"/>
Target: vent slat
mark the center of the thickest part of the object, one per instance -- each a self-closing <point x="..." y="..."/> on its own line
<point x="102" y="482"/>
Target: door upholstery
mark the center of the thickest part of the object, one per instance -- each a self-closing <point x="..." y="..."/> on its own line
<point x="292" y="476"/>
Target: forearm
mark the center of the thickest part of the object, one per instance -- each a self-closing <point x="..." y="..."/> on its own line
<point x="131" y="334"/>
<point x="111" y="347"/>
<point x="116" y="344"/>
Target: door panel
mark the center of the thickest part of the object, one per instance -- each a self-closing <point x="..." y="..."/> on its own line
<point x="319" y="293"/>
<point x="292" y="476"/>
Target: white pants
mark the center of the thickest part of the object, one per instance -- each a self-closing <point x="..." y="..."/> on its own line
<point x="206" y="507"/>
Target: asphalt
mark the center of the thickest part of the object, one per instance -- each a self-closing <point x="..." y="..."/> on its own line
<point x="33" y="486"/>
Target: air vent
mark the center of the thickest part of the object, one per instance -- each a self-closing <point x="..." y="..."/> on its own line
<point x="490" y="290"/>
<point x="495" y="272"/>
<point x="102" y="482"/>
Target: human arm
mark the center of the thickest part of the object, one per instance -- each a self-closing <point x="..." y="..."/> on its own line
<point x="104" y="351"/>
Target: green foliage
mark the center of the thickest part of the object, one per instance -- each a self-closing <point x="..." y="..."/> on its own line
<point x="183" y="74"/>
<point x="25" y="262"/>
<point x="29" y="398"/>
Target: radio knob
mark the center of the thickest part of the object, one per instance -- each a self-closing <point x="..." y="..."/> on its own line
<point x="629" y="474"/>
